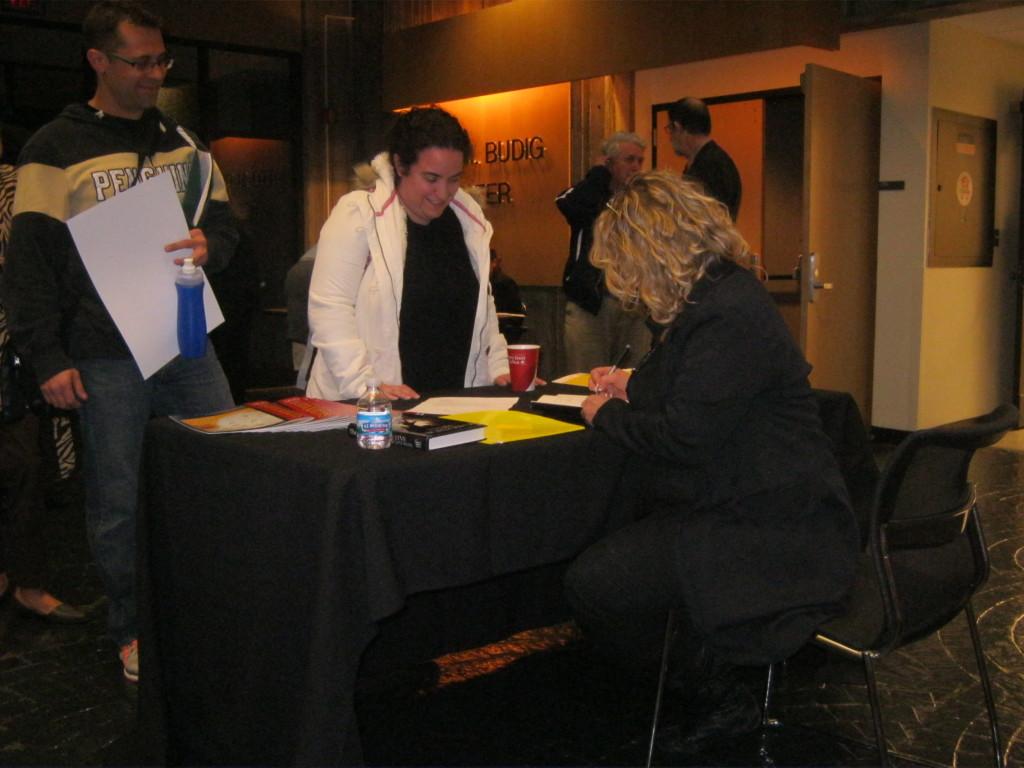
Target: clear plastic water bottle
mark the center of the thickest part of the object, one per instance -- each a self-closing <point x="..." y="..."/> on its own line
<point x="373" y="418"/>
<point x="191" y="313"/>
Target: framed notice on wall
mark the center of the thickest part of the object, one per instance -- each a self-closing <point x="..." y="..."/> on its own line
<point x="961" y="222"/>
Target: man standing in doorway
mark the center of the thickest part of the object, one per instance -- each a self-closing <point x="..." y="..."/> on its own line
<point x="689" y="129"/>
<point x="597" y="326"/>
<point x="89" y="154"/>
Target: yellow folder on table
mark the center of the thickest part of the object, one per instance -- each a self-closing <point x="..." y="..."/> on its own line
<point x="579" y="379"/>
<point x="574" y="379"/>
<point x="509" y="426"/>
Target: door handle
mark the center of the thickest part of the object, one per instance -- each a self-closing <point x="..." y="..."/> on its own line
<point x="809" y="273"/>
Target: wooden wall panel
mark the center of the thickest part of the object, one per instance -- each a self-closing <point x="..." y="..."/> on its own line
<point x="521" y="161"/>
<point x="528" y="43"/>
<point x="412" y="13"/>
<point x="275" y="24"/>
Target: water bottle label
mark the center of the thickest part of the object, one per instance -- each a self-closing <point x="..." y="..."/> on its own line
<point x="374" y="423"/>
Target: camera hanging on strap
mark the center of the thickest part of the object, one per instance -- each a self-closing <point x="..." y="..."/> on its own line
<point x="18" y="390"/>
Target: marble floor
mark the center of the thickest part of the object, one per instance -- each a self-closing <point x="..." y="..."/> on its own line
<point x="536" y="699"/>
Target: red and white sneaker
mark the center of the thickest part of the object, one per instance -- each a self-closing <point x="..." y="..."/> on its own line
<point x="130" y="660"/>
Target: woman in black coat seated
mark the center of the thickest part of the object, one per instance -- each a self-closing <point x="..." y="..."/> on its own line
<point x="747" y="529"/>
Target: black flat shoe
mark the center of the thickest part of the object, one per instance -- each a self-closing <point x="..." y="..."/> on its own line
<point x="63" y="613"/>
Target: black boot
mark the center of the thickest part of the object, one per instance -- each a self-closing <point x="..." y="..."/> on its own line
<point x="720" y="706"/>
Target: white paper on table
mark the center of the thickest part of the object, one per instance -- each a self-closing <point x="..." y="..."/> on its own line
<point x="447" y="406"/>
<point x="562" y="401"/>
<point x="121" y="242"/>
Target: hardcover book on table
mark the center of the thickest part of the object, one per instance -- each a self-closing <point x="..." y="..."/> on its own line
<point x="428" y="432"/>
<point x="326" y="414"/>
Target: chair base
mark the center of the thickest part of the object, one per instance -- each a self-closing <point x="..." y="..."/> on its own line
<point x="868" y="660"/>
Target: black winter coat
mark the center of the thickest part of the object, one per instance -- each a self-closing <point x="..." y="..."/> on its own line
<point x="713" y="168"/>
<point x="724" y="432"/>
<point x="581" y="204"/>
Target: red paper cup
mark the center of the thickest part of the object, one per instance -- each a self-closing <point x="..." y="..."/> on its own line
<point x="522" y="365"/>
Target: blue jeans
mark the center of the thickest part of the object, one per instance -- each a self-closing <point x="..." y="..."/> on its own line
<point x="113" y="423"/>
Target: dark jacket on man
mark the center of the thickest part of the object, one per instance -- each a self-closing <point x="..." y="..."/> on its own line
<point x="713" y="168"/>
<point x="581" y="204"/>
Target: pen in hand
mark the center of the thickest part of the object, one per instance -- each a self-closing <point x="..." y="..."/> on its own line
<point x="616" y="364"/>
<point x="618" y="360"/>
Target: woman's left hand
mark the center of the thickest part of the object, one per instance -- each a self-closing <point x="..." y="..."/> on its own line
<point x="592" y="405"/>
<point x="605" y="380"/>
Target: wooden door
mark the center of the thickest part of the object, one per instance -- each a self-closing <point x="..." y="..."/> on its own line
<point x="1018" y="278"/>
<point x="840" y="230"/>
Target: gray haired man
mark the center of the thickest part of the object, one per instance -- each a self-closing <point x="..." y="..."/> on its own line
<point x="597" y="327"/>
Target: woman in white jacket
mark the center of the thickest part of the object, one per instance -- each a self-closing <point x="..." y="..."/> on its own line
<point x="400" y="289"/>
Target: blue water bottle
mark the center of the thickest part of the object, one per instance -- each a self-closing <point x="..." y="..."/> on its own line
<point x="191" y="314"/>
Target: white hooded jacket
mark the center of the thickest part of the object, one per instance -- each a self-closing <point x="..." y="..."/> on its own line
<point x="355" y="297"/>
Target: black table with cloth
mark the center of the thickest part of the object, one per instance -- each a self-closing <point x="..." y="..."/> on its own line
<point x="268" y="562"/>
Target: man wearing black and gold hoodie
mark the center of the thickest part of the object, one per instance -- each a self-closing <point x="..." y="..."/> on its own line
<point x="89" y="154"/>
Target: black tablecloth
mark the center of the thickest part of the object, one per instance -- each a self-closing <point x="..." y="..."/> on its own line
<point x="267" y="562"/>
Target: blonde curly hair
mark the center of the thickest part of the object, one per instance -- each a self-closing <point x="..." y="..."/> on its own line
<point x="657" y="238"/>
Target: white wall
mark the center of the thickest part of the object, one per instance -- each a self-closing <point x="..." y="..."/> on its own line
<point x="968" y="322"/>
<point x="907" y="392"/>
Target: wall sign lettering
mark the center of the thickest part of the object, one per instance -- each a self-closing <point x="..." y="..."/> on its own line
<point x="513" y="150"/>
<point x="496" y="192"/>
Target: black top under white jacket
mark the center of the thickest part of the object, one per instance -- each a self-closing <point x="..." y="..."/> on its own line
<point x="79" y="160"/>
<point x="724" y="432"/>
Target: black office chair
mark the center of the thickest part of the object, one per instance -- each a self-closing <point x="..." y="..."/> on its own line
<point x="925" y="558"/>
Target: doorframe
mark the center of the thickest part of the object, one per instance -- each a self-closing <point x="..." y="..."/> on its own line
<point x="746" y="96"/>
<point x="1018" y="279"/>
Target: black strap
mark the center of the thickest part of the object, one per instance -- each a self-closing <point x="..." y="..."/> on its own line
<point x="151" y="124"/>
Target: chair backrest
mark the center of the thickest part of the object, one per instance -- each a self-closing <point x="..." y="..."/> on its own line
<point x="927" y="473"/>
<point x="925" y="537"/>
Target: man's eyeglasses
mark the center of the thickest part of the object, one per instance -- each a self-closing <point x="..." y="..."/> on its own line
<point x="146" y="63"/>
